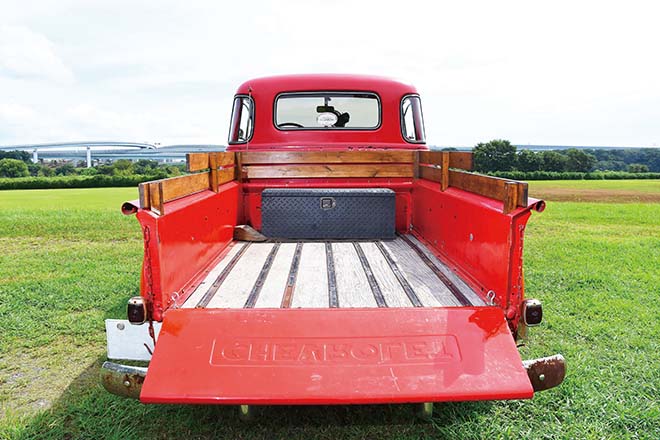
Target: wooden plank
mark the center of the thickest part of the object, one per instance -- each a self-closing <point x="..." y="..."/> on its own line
<point x="176" y="187"/>
<point x="197" y="162"/>
<point x="461" y="160"/>
<point x="225" y="158"/>
<point x="371" y="278"/>
<point x="225" y="175"/>
<point x="312" y="284"/>
<point x="458" y="294"/>
<point x="390" y="287"/>
<point x="416" y="165"/>
<point x="523" y="194"/>
<point x="217" y="283"/>
<point x="143" y="192"/>
<point x="323" y="157"/>
<point x="211" y="276"/>
<point x="275" y="284"/>
<point x="237" y="286"/>
<point x="487" y="186"/>
<point x="444" y="171"/>
<point x="457" y="159"/>
<point x="428" y="288"/>
<point x="327" y="171"/>
<point x="403" y="281"/>
<point x="213" y="176"/>
<point x="202" y="161"/>
<point x="470" y="294"/>
<point x="156" y="196"/>
<point x="434" y="165"/>
<point x="430" y="157"/>
<point x="261" y="279"/>
<point x="239" y="172"/>
<point x="430" y="173"/>
<point x="510" y="197"/>
<point x="353" y="287"/>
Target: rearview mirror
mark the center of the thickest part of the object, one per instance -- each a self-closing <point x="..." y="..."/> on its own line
<point x="325" y="109"/>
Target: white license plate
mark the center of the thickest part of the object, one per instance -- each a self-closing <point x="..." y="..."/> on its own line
<point x="129" y="342"/>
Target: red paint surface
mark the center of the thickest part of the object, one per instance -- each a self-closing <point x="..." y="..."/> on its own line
<point x="267" y="137"/>
<point x="474" y="237"/>
<point x="334" y="356"/>
<point x="181" y="243"/>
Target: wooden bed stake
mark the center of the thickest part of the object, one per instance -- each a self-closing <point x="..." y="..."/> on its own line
<point x="248" y="233"/>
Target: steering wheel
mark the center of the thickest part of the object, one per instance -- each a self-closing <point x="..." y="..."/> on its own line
<point x="292" y="124"/>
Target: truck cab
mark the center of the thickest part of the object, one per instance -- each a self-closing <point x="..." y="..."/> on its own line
<point x="327" y="256"/>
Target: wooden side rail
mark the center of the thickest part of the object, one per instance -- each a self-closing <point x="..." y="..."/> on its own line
<point x="326" y="164"/>
<point x="457" y="159"/>
<point x="213" y="169"/>
<point x="444" y="166"/>
<point x="218" y="169"/>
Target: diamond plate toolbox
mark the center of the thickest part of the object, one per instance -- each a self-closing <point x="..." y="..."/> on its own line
<point x="291" y="213"/>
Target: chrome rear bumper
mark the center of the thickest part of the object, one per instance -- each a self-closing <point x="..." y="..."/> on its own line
<point x="126" y="381"/>
<point x="123" y="380"/>
<point x="545" y="373"/>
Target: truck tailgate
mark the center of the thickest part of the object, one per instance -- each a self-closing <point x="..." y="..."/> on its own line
<point x="334" y="356"/>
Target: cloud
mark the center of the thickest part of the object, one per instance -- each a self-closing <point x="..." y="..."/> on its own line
<point x="165" y="71"/>
<point x="25" y="54"/>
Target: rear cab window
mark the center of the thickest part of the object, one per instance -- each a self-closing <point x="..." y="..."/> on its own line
<point x="412" y="121"/>
<point x="327" y="111"/>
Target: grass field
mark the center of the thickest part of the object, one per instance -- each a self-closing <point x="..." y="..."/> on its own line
<point x="69" y="260"/>
<point x="614" y="191"/>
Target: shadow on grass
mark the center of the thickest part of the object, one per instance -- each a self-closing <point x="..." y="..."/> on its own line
<point x="86" y="410"/>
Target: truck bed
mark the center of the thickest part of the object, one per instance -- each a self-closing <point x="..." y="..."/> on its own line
<point x="325" y="274"/>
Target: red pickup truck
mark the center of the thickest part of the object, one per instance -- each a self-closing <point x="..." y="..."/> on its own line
<point x="328" y="257"/>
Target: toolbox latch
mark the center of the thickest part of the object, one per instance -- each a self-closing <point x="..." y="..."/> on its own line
<point x="328" y="203"/>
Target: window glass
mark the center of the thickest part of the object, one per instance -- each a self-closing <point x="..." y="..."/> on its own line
<point x="412" y="122"/>
<point x="327" y="111"/>
<point x="242" y="120"/>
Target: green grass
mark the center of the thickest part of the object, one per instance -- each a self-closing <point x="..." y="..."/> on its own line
<point x="645" y="186"/>
<point x="69" y="260"/>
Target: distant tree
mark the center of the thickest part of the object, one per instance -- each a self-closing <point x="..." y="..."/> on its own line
<point x="611" y="165"/>
<point x="107" y="170"/>
<point x="66" y="169"/>
<point x="496" y="155"/>
<point x="144" y="166"/>
<point x="638" y="168"/>
<point x="173" y="170"/>
<point x="553" y="161"/>
<point x="13" y="168"/>
<point x="528" y="160"/>
<point x="34" y="168"/>
<point x="449" y="149"/>
<point x="23" y="156"/>
<point x="123" y="167"/>
<point x="88" y="171"/>
<point x="46" y="171"/>
<point x="579" y="161"/>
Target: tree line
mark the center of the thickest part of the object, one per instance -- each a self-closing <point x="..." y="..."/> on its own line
<point x="500" y="155"/>
<point x="15" y="164"/>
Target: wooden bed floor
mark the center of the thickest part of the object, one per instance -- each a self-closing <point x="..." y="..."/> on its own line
<point x="397" y="273"/>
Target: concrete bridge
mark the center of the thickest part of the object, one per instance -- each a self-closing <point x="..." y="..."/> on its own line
<point x="108" y="150"/>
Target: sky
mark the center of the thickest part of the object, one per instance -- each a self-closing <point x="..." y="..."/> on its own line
<point x="544" y="73"/>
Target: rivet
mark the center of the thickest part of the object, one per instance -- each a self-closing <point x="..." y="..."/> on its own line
<point x="541" y="377"/>
<point x="127" y="383"/>
<point x="120" y="326"/>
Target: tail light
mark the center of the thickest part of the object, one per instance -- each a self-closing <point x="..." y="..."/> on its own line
<point x="532" y="312"/>
<point x="137" y="310"/>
